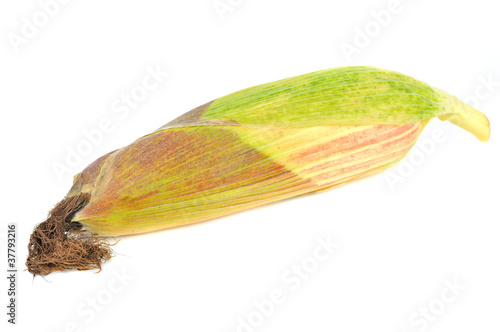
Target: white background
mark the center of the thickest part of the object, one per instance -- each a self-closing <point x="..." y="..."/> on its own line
<point x="399" y="244"/>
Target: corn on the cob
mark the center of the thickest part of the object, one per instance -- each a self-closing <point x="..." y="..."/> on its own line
<point x="252" y="147"/>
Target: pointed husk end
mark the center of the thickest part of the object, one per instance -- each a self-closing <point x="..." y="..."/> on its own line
<point x="467" y="117"/>
<point x="57" y="244"/>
